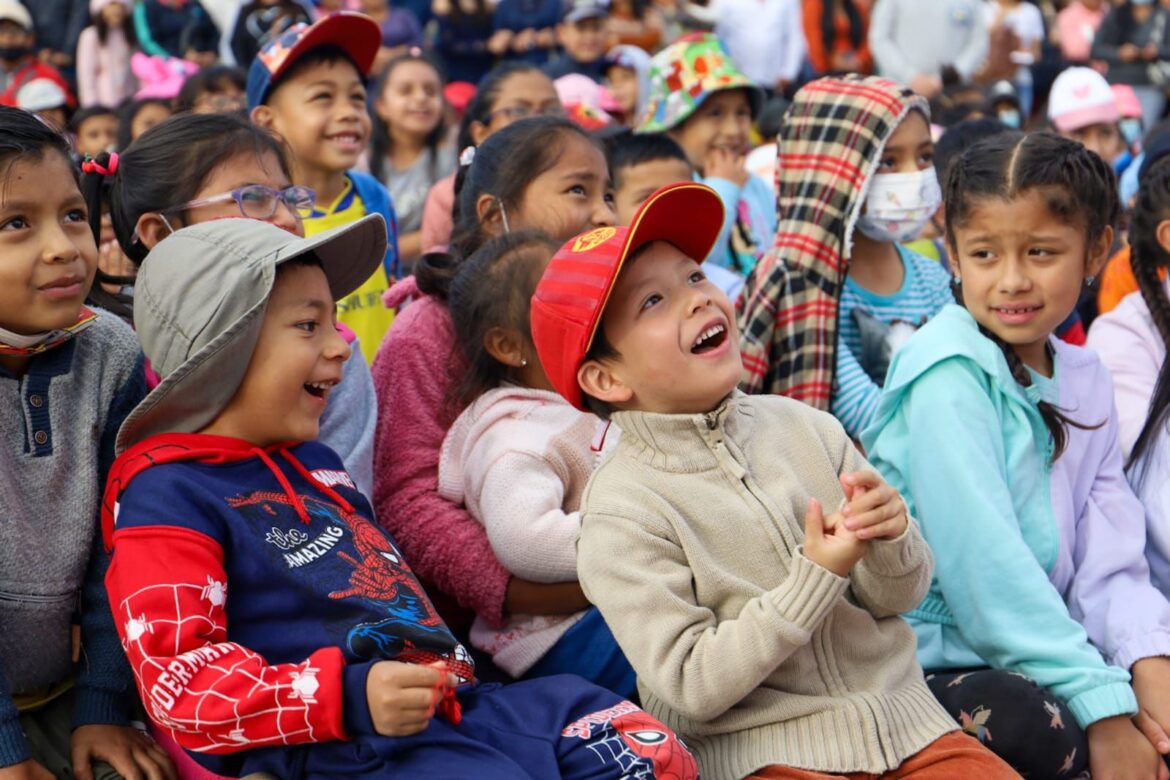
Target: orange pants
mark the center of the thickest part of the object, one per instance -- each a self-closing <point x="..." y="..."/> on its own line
<point x="952" y="756"/>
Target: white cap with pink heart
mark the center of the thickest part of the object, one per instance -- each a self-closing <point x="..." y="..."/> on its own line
<point x="1081" y="97"/>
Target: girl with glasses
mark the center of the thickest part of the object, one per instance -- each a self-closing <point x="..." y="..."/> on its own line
<point x="199" y="167"/>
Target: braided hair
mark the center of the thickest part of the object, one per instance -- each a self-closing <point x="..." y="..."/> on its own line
<point x="1148" y="258"/>
<point x="1079" y="188"/>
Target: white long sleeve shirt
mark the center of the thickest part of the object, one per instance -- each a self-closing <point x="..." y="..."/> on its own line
<point x="764" y="37"/>
<point x="919" y="37"/>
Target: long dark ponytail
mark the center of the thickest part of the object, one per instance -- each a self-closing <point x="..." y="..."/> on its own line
<point x="829" y="24"/>
<point x="1148" y="259"/>
<point x="1080" y="189"/>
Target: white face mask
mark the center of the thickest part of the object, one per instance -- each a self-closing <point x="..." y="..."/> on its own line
<point x="899" y="205"/>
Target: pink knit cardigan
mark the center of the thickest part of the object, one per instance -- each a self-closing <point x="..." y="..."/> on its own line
<point x="412" y="375"/>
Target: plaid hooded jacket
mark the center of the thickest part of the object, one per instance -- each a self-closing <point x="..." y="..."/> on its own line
<point x="829" y="150"/>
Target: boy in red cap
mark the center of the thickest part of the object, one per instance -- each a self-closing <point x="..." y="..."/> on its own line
<point x="763" y="630"/>
<point x="308" y="87"/>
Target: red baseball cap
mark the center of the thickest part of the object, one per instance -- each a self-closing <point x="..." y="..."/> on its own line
<point x="571" y="295"/>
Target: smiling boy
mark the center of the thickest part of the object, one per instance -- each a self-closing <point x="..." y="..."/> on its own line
<point x="309" y="88"/>
<point x="763" y="631"/>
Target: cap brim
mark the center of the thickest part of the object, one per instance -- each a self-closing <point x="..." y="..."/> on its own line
<point x="356" y="34"/>
<point x="189" y="398"/>
<point x="1102" y="114"/>
<point x="349" y="254"/>
<point x="694" y="205"/>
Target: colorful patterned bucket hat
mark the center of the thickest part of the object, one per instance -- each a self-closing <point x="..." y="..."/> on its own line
<point x="685" y="74"/>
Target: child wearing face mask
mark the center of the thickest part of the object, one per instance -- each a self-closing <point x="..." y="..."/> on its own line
<point x="542" y="173"/>
<point x="824" y="311"/>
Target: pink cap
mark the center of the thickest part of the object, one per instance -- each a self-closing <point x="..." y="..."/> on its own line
<point x="1081" y="97"/>
<point x="1127" y="101"/>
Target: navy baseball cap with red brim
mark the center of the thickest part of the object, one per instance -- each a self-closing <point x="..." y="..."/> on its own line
<point x="356" y="34"/>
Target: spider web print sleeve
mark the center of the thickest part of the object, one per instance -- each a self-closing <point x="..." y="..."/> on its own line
<point x="213" y="695"/>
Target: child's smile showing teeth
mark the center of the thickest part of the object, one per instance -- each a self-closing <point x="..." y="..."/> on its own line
<point x="710" y="339"/>
<point x="1016" y="314"/>
<point x="320" y="389"/>
<point x="350" y="141"/>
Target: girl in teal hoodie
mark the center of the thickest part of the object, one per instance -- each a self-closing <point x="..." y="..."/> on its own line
<point x="1041" y="626"/>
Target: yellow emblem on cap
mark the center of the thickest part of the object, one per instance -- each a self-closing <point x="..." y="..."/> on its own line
<point x="593" y="239"/>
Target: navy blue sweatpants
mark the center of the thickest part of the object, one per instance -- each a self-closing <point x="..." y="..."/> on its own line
<point x="541" y="729"/>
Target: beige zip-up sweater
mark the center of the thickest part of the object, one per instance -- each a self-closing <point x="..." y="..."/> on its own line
<point x="691" y="548"/>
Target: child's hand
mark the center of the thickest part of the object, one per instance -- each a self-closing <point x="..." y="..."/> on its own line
<point x="1118" y="751"/>
<point x="402" y="697"/>
<point x="129" y="751"/>
<point x="875" y="510"/>
<point x="1151" y="684"/>
<point x="500" y="42"/>
<point x="727" y="164"/>
<point x="25" y="770"/>
<point x="830" y="544"/>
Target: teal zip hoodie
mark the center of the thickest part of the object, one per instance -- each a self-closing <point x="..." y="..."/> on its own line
<point x="955" y="425"/>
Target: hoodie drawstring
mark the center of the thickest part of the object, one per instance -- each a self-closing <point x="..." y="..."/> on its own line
<point x="308" y="476"/>
<point x="297" y="503"/>
<point x="299" y="467"/>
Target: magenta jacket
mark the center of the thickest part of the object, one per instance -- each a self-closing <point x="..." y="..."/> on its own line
<point x="412" y="376"/>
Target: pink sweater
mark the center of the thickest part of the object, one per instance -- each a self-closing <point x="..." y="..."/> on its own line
<point x="437" y="224"/>
<point x="412" y="375"/>
<point x="518" y="459"/>
<point x="104" y="77"/>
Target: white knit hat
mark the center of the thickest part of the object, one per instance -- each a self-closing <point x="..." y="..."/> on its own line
<point x="14" y="11"/>
<point x="1081" y="97"/>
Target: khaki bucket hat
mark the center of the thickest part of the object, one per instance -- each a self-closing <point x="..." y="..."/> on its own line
<point x="199" y="302"/>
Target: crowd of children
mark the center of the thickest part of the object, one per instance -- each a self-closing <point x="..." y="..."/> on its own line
<point x="375" y="428"/>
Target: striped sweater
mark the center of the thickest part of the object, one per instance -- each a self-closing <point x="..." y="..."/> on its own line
<point x="862" y="358"/>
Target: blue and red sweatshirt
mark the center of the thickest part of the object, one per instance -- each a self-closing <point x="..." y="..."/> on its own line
<point x="252" y="593"/>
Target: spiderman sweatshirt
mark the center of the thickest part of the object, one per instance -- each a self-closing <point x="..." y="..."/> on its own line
<point x="252" y="593"/>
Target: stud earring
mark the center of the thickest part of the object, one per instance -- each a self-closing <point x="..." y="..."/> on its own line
<point x="523" y="362"/>
<point x="958" y="279"/>
<point x="1090" y="281"/>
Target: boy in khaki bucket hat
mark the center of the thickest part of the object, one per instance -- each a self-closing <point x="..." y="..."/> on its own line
<point x="272" y="627"/>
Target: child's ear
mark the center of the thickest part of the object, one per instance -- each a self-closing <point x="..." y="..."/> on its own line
<point x="1162" y="233"/>
<point x="598" y="380"/>
<point x="487" y="213"/>
<point x="262" y="116"/>
<point x="1099" y="252"/>
<point x="479" y="132"/>
<point x="151" y="229"/>
<point x="505" y="345"/>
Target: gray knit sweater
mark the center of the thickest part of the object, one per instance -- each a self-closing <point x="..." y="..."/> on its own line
<point x="57" y="428"/>
<point x="690" y="547"/>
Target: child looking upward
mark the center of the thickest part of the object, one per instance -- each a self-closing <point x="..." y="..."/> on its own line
<point x="739" y="547"/>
